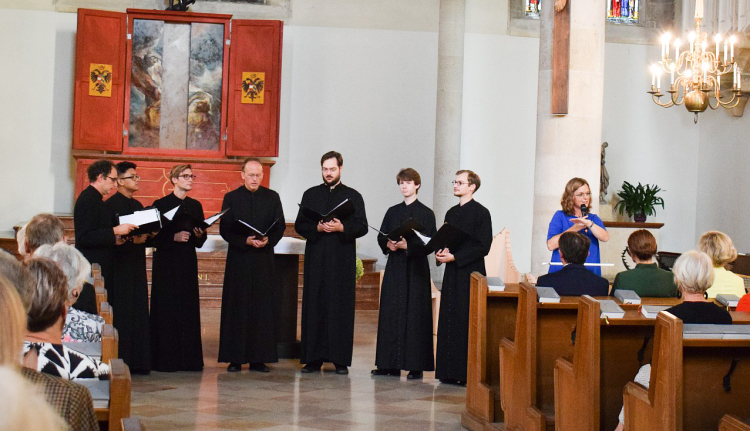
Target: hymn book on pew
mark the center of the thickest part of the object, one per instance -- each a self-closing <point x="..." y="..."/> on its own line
<point x="495" y="284"/>
<point x="728" y="300"/>
<point x="341" y="212"/>
<point x="547" y="295"/>
<point x="99" y="390"/>
<point x="627" y="296"/>
<point x="147" y="220"/>
<point x="407" y="229"/>
<point x="715" y="332"/>
<point x="448" y="236"/>
<point x="651" y="311"/>
<point x="610" y="309"/>
<point x="248" y="230"/>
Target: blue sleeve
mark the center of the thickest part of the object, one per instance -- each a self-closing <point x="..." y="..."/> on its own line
<point x="595" y="218"/>
<point x="556" y="225"/>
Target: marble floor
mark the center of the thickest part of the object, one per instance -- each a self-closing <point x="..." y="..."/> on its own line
<point x="285" y="399"/>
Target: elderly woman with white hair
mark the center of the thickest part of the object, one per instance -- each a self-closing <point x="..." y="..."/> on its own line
<point x="693" y="274"/>
<point x="79" y="325"/>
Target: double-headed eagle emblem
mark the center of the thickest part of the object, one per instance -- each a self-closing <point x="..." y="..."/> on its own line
<point x="252" y="87"/>
<point x="101" y="77"/>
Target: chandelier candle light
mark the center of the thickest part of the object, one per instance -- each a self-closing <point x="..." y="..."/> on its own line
<point x="695" y="74"/>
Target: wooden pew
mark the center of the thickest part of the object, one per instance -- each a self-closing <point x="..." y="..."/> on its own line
<point x="686" y="390"/>
<point x="106" y="312"/>
<point x="110" y="343"/>
<point x="732" y="423"/>
<point x="96" y="270"/>
<point x="119" y="396"/>
<point x="492" y="317"/>
<point x="101" y="293"/>
<point x="606" y="356"/>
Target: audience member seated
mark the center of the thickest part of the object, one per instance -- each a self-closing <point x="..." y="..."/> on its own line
<point x="646" y="279"/>
<point x="719" y="247"/>
<point x="574" y="279"/>
<point x="71" y="401"/>
<point x="48" y="229"/>
<point x="694" y="274"/>
<point x="744" y="303"/>
<point x="19" y="277"/>
<point x="43" y="349"/>
<point x="23" y="408"/>
<point x="79" y="325"/>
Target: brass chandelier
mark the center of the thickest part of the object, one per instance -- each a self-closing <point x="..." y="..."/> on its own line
<point x="696" y="73"/>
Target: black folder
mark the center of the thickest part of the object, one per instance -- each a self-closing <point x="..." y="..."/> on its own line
<point x="341" y="211"/>
<point x="246" y="229"/>
<point x="448" y="236"/>
<point x="183" y="221"/>
<point x="406" y="230"/>
<point x="145" y="228"/>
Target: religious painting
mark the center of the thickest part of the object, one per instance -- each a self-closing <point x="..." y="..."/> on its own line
<point x="532" y="8"/>
<point x="623" y="11"/>
<point x="100" y="80"/>
<point x="175" y="85"/>
<point x="253" y="84"/>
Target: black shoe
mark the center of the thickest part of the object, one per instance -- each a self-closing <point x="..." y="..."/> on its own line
<point x="234" y="367"/>
<point x="311" y="367"/>
<point x="260" y="367"/>
<point x="414" y="375"/>
<point x="341" y="369"/>
<point x="449" y="381"/>
<point x="461" y="382"/>
<point x="385" y="372"/>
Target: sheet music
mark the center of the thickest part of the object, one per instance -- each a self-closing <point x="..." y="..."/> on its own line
<point x="209" y="221"/>
<point x="169" y="215"/>
<point x="140" y="218"/>
<point x="425" y="239"/>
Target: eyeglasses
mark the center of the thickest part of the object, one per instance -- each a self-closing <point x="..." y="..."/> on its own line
<point x="113" y="179"/>
<point x="254" y="175"/>
<point x="460" y="183"/>
<point x="133" y="177"/>
<point x="580" y="195"/>
<point x="188" y="177"/>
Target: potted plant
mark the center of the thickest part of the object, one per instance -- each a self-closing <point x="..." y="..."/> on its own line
<point x="638" y="201"/>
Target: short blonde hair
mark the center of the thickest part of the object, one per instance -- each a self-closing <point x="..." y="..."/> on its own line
<point x="12" y="324"/>
<point x="25" y="408"/>
<point x="177" y="170"/>
<point x="70" y="260"/>
<point x="718" y="246"/>
<point x="693" y="272"/>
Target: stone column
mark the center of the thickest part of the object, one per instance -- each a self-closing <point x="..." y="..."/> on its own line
<point x="568" y="146"/>
<point x="449" y="102"/>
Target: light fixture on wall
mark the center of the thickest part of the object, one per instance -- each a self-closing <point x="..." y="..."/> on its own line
<point x="696" y="74"/>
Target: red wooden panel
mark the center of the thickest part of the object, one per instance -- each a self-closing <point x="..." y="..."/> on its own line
<point x="97" y="121"/>
<point x="253" y="130"/>
<point x="212" y="182"/>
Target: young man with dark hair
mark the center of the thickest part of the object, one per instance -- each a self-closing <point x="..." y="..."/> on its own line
<point x="251" y="290"/>
<point x="574" y="279"/>
<point x="128" y="289"/>
<point x="95" y="236"/>
<point x="405" y="319"/>
<point x="453" y="331"/>
<point x="330" y="270"/>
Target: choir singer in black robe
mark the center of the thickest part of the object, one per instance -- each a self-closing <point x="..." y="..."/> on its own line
<point x="175" y="304"/>
<point x="95" y="236"/>
<point x="249" y="301"/>
<point x="330" y="270"/>
<point x="453" y="327"/>
<point x="127" y="292"/>
<point x="405" y="319"/>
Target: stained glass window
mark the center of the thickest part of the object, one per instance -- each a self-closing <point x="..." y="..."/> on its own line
<point x="618" y="11"/>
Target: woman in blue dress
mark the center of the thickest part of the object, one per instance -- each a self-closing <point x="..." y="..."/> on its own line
<point x="571" y="219"/>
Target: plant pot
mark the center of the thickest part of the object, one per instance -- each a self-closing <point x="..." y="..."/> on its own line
<point x="639" y="218"/>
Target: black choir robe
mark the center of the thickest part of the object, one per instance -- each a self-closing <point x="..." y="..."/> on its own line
<point x="175" y="302"/>
<point x="95" y="238"/>
<point x="250" y="298"/>
<point x="127" y="292"/>
<point x="330" y="276"/>
<point x="453" y="326"/>
<point x="405" y="318"/>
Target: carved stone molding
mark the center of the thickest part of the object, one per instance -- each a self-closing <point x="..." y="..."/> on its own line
<point x="273" y="9"/>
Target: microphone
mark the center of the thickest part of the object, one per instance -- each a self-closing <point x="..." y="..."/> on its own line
<point x="584" y="213"/>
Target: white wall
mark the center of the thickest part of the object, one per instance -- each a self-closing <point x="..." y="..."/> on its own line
<point x="723" y="200"/>
<point x="36" y="116"/>
<point x="650" y="144"/>
<point x="499" y="131"/>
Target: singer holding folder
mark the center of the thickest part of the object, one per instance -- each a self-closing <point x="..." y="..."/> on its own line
<point x="250" y="298"/>
<point x="574" y="217"/>
<point x="175" y="302"/>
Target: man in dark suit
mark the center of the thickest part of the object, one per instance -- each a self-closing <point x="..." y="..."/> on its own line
<point x="574" y="279"/>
